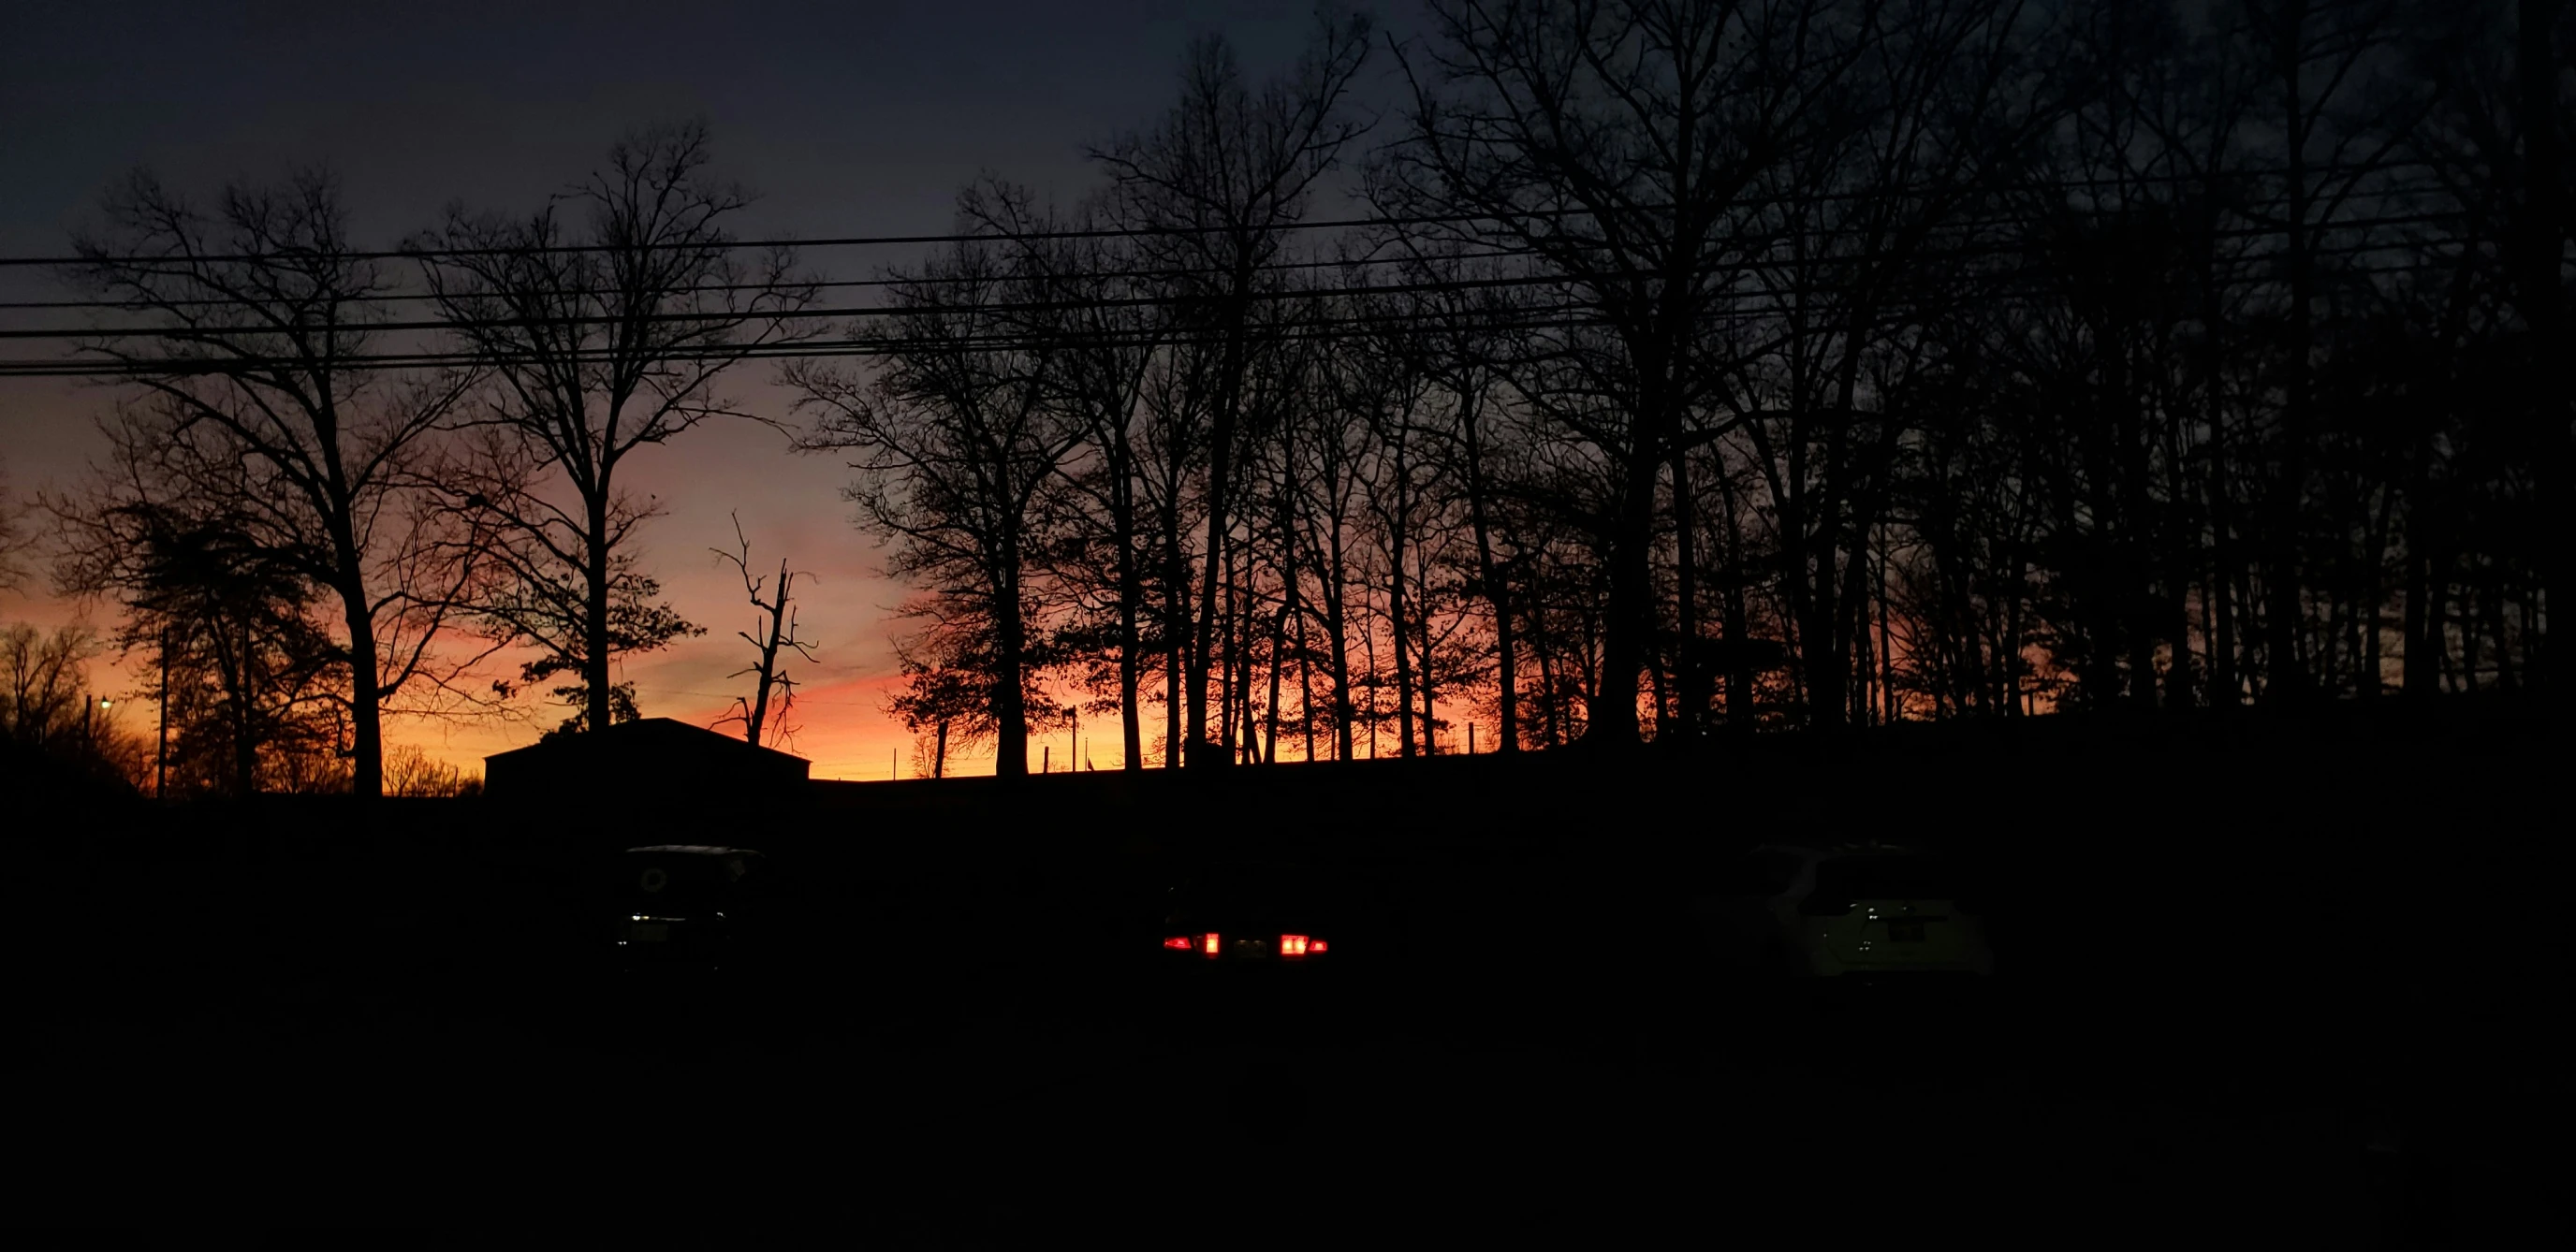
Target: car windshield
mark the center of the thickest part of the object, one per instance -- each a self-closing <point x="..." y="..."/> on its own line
<point x="1886" y="878"/>
<point x="675" y="883"/>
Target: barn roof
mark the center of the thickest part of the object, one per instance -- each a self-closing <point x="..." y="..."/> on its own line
<point x="653" y="754"/>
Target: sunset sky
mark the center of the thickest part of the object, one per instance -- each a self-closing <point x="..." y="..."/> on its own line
<point x="859" y="119"/>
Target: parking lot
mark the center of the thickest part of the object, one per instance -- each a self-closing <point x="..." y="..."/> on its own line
<point x="1543" y="1039"/>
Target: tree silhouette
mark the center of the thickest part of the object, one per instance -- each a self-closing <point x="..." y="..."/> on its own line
<point x="1216" y="185"/>
<point x="777" y="638"/>
<point x="599" y="326"/>
<point x="954" y="442"/>
<point x="251" y="401"/>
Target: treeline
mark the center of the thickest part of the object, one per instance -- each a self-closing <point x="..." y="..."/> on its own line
<point x="1745" y="365"/>
<point x="1650" y="370"/>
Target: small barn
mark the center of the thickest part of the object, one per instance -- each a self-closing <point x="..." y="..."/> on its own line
<point x="652" y="757"/>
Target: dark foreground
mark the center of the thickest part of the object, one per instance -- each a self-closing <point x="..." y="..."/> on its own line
<point x="2299" y="990"/>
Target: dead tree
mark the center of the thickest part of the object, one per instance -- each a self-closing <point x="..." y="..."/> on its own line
<point x="777" y="627"/>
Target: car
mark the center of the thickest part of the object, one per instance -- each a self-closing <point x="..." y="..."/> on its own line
<point x="1863" y="913"/>
<point x="1239" y="915"/>
<point x="686" y="906"/>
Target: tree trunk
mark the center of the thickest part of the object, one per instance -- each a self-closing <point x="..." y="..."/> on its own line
<point x="1736" y="623"/>
<point x="1172" y="701"/>
<point x="1010" y="710"/>
<point x="366" y="702"/>
<point x="1552" y="717"/>
<point x="594" y="632"/>
<point x="1227" y="652"/>
<point x="1430" y="694"/>
<point x="2287" y="681"/>
<point x="1611" y="720"/>
<point x="161" y="754"/>
<point x="1305" y="677"/>
<point x="1337" y="632"/>
<point x="1131" y="596"/>
<point x="1176" y="635"/>
<point x="2542" y="293"/>
<point x="1403" y="654"/>
<point x="2223" y="682"/>
<point x="767" y="672"/>
<point x="1691" y="704"/>
<point x="1886" y="660"/>
<point x="1220" y="461"/>
<point x="1278" y="641"/>
<point x="245" y="723"/>
<point x="1490" y="581"/>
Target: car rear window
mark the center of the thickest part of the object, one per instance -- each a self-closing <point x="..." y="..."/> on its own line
<point x="1887" y="878"/>
<point x="1763" y="873"/>
<point x="1252" y="893"/>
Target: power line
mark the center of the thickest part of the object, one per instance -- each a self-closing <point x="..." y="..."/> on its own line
<point x="745" y="316"/>
<point x="372" y="298"/>
<point x="1775" y="305"/>
<point x="1174" y="231"/>
<point x="819" y="284"/>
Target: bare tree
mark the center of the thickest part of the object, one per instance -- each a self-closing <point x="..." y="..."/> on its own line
<point x="1609" y="141"/>
<point x="601" y="324"/>
<point x="54" y="725"/>
<point x="247" y="325"/>
<point x="954" y="441"/>
<point x="1217" y="184"/>
<point x="410" y="772"/>
<point x="2496" y="139"/>
<point x="44" y="683"/>
<point x="777" y="638"/>
<point x="1102" y="549"/>
<point x="1464" y="322"/>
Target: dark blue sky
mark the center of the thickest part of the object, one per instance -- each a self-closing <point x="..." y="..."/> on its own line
<point x="849" y="118"/>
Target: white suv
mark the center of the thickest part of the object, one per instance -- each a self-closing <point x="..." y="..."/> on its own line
<point x="1847" y="912"/>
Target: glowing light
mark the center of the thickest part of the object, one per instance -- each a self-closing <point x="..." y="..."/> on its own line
<point x="1211" y="938"/>
<point x="1315" y="945"/>
<point x="1292" y="945"/>
<point x="1178" y="943"/>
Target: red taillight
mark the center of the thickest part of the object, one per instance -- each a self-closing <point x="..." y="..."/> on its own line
<point x="1178" y="943"/>
<point x="1210" y="941"/>
<point x="1292" y="945"/>
<point x="1314" y="945"/>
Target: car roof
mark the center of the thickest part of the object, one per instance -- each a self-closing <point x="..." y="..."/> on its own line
<point x="1821" y="849"/>
<point x="1239" y="870"/>
<point x="692" y="849"/>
